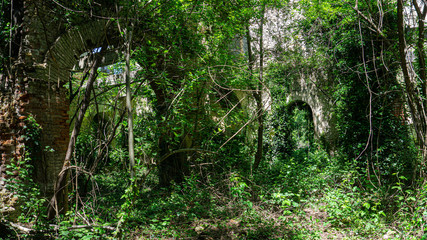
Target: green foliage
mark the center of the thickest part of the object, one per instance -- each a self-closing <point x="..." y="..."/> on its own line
<point x="66" y="233"/>
<point x="367" y="94"/>
<point x="409" y="204"/>
<point x="26" y="191"/>
<point x="239" y="189"/>
<point x="26" y="194"/>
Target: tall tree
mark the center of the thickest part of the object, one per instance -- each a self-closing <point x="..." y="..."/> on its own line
<point x="363" y="44"/>
<point x="59" y="202"/>
<point x="415" y="90"/>
<point x="129" y="103"/>
<point x="258" y="94"/>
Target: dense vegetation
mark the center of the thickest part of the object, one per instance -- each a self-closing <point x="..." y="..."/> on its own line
<point x="186" y="146"/>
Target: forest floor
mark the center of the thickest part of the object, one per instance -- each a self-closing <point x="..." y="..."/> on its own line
<point x="309" y="220"/>
<point x="311" y="223"/>
<point x="324" y="206"/>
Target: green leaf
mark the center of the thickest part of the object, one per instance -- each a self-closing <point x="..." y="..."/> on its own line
<point x="367" y="205"/>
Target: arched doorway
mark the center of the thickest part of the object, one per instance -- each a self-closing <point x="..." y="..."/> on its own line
<point x="301" y="130"/>
<point x="292" y="131"/>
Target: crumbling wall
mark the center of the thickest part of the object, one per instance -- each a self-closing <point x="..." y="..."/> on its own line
<point x="35" y="87"/>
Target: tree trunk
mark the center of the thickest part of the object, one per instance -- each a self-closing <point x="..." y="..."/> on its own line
<point x="416" y="105"/>
<point x="422" y="66"/>
<point x="129" y="107"/>
<point x="173" y="167"/>
<point x="59" y="202"/>
<point x="258" y="96"/>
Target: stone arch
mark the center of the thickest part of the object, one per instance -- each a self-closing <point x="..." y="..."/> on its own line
<point x="48" y="101"/>
<point x="63" y="55"/>
<point x="320" y="126"/>
<point x="302" y="105"/>
<point x="302" y="132"/>
<point x="306" y="89"/>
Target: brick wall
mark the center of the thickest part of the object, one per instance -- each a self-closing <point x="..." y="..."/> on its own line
<point x="36" y="87"/>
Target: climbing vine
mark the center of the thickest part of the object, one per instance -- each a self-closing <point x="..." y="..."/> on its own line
<point x="25" y="191"/>
<point x="371" y="135"/>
